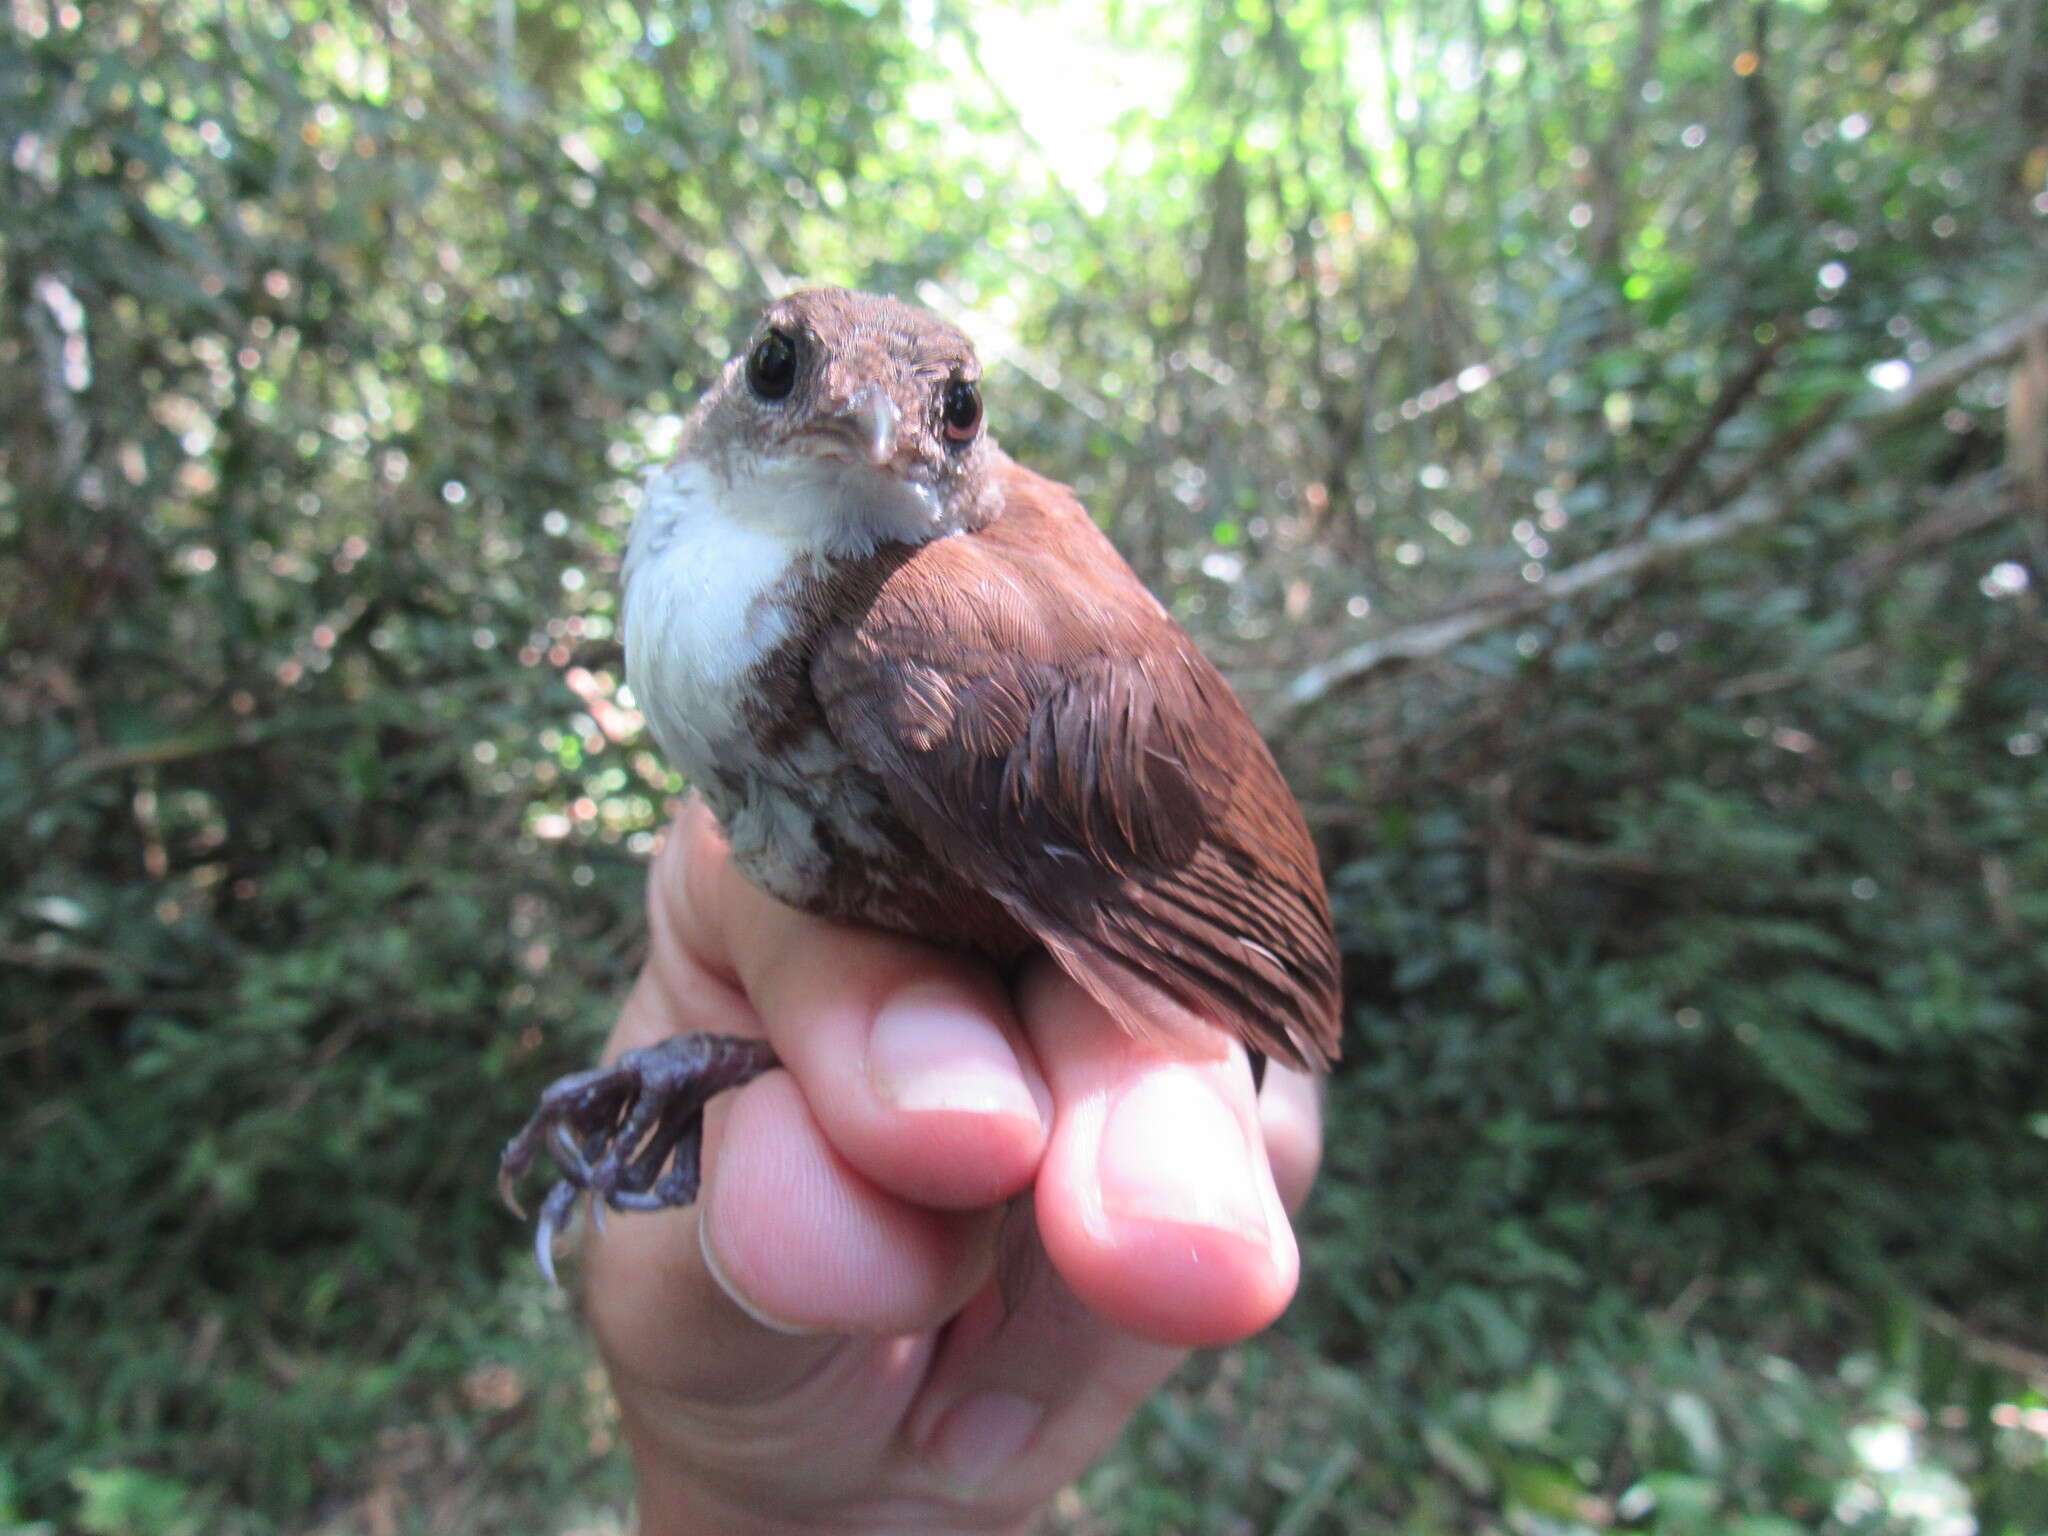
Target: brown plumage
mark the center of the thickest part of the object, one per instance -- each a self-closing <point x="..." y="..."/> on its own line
<point x="922" y="691"/>
<point x="1053" y="740"/>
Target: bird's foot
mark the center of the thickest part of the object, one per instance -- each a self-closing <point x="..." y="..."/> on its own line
<point x="629" y="1134"/>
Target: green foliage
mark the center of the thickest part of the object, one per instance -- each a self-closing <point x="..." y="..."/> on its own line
<point x="1690" y="1143"/>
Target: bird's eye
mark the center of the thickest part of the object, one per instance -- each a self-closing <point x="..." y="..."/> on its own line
<point x="961" y="410"/>
<point x="771" y="366"/>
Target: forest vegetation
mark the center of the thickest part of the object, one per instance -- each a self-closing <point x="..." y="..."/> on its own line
<point x="1607" y="445"/>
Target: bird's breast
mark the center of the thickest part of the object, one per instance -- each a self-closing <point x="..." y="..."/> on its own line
<point x="717" y="633"/>
<point x="706" y="602"/>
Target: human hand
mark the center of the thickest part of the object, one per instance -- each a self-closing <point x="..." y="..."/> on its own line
<point x="822" y="1342"/>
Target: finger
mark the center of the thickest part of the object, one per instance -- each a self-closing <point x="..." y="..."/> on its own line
<point x="804" y="1243"/>
<point x="1291" y="1118"/>
<point x="910" y="1057"/>
<point x="655" y="1308"/>
<point x="787" y="1255"/>
<point x="786" y="1252"/>
<point x="1156" y="1199"/>
<point x="1024" y="1392"/>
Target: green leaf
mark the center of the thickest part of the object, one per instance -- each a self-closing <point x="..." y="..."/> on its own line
<point x="1524" y="1413"/>
<point x="1458" y="1459"/>
<point x="119" y="1501"/>
<point x="1697" y="1427"/>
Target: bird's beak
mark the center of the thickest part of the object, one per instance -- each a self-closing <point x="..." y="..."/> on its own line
<point x="869" y="423"/>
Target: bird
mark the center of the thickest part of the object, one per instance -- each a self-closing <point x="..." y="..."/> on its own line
<point x="921" y="691"/>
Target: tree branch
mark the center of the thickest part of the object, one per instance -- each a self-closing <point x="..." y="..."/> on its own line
<point x="1975" y="503"/>
<point x="1734" y="395"/>
<point x="1701" y="1155"/>
<point x="1840" y="446"/>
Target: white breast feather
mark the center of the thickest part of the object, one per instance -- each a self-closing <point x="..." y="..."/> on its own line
<point x="695" y="624"/>
<point x="706" y="549"/>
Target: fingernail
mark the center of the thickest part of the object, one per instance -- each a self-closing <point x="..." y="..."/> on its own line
<point x="1174" y="1151"/>
<point x="985" y="1433"/>
<point x="931" y="1050"/>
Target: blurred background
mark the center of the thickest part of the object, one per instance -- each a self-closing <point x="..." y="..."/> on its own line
<point x="1603" y="442"/>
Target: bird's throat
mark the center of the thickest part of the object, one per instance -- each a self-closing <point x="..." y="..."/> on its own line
<point x="825" y="505"/>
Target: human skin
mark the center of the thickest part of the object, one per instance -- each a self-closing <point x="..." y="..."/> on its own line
<point x="860" y="1326"/>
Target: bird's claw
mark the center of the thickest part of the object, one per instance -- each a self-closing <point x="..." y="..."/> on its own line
<point x="630" y="1133"/>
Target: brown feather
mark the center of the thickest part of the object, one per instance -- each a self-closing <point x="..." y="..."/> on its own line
<point x="1054" y="741"/>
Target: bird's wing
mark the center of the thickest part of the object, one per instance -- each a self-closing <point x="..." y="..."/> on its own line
<point x="1065" y="748"/>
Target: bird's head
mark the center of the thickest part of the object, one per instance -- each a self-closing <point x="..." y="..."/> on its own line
<point x="865" y="408"/>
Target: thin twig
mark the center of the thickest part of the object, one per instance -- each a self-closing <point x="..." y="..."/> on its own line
<point x="68" y="958"/>
<point x="1679" y="1311"/>
<point x="1976" y="503"/>
<point x="1704" y="1154"/>
<point x="2020" y="1359"/>
<point x="208" y="741"/>
<point x="1734" y="395"/>
<point x="1594" y="856"/>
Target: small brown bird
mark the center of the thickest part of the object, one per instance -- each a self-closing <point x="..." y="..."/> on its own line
<point x="921" y="691"/>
